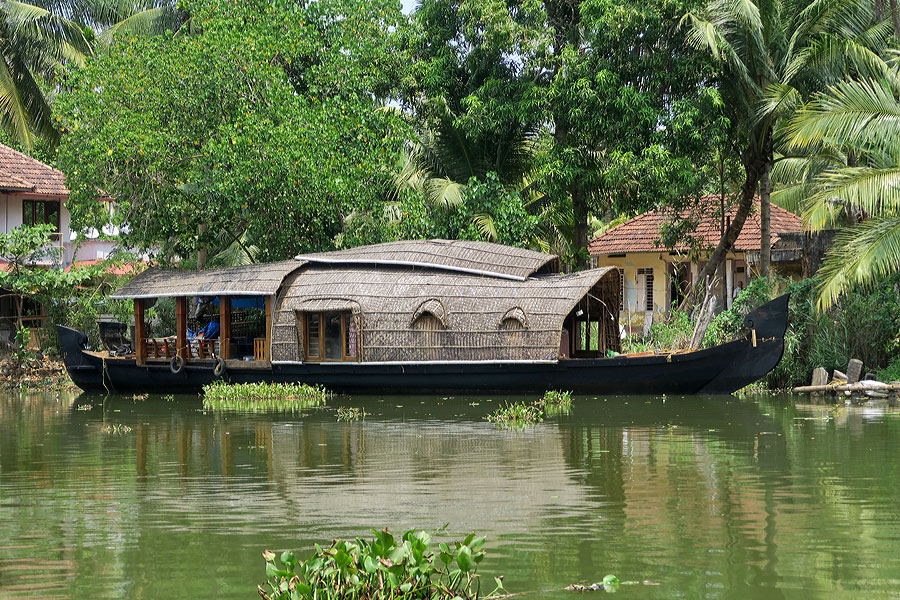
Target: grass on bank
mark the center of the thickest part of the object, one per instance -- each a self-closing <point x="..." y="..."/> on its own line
<point x="386" y="568"/>
<point x="521" y="414"/>
<point x="263" y="397"/>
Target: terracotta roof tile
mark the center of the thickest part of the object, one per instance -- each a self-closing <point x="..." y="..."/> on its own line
<point x="641" y="234"/>
<point x="21" y="173"/>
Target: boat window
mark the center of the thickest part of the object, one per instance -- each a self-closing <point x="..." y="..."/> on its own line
<point x="332" y="331"/>
<point x="331" y="336"/>
<point x="511" y="324"/>
<point x="350" y="339"/>
<point x="313" y="324"/>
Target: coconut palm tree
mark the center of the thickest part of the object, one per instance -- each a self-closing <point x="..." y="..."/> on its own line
<point x="35" y="41"/>
<point x="863" y="115"/>
<point x="772" y="54"/>
<point x="38" y="39"/>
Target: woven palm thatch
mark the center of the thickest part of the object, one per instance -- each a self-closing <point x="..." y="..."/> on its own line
<point x="249" y="280"/>
<point x="481" y="258"/>
<point x="410" y="314"/>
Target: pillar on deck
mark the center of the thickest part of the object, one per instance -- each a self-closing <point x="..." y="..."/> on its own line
<point x="224" y="326"/>
<point x="140" y="332"/>
<point x="268" y="328"/>
<point x="181" y="327"/>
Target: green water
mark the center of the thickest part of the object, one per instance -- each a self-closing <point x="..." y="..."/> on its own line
<point x="691" y="498"/>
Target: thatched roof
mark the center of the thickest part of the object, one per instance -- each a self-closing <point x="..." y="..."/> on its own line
<point x="478" y="258"/>
<point x="250" y="280"/>
<point x="470" y="307"/>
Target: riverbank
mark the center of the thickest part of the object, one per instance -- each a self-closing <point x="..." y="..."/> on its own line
<point x="34" y="373"/>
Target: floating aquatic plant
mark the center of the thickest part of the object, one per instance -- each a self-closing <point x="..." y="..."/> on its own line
<point x="517" y="414"/>
<point x="352" y="413"/>
<point x="521" y="414"/>
<point x="116" y="429"/>
<point x="263" y="397"/>
<point x="556" y="403"/>
<point x="385" y="568"/>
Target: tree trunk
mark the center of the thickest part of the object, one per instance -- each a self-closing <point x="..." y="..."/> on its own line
<point x="879" y="10"/>
<point x="203" y="252"/>
<point x="580" y="231"/>
<point x="765" y="225"/>
<point x="753" y="166"/>
<point x="895" y="16"/>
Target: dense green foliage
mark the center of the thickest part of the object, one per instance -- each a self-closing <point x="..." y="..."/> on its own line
<point x="608" y="97"/>
<point x="33" y="278"/>
<point x="863" y="325"/>
<point x="266" y="116"/>
<point x="381" y="569"/>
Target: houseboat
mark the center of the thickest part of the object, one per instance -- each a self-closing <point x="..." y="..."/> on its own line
<point x="431" y="316"/>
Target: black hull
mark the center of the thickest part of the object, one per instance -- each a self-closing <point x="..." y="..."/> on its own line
<point x="719" y="370"/>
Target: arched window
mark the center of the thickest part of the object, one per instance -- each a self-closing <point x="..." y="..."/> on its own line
<point x="512" y="332"/>
<point x="428" y="322"/>
<point x="514" y="319"/>
<point x="432" y="306"/>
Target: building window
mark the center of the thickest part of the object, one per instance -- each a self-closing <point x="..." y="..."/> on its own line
<point x="647" y="286"/>
<point x="41" y="212"/>
<point x="331" y="336"/>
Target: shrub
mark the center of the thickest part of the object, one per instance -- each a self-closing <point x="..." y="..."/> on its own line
<point x="382" y="569"/>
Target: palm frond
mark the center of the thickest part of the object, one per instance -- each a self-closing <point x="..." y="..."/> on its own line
<point x="860" y="256"/>
<point x="239" y="252"/>
<point x="444" y="192"/>
<point x="36" y="30"/>
<point x="778" y="100"/>
<point x="876" y="191"/>
<point x="486" y="227"/>
<point x="13" y="114"/>
<point x="849" y="113"/>
<point x="153" y="21"/>
<point x="831" y="57"/>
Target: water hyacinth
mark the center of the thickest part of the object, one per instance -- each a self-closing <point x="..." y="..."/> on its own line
<point x="263" y="397"/>
<point x="386" y="568"/>
<point x="517" y="415"/>
<point x="352" y="413"/>
<point x="521" y="414"/>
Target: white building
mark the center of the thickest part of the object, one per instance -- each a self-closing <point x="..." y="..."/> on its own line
<point x="32" y="193"/>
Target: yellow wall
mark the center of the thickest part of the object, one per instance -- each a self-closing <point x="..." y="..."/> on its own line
<point x="658" y="261"/>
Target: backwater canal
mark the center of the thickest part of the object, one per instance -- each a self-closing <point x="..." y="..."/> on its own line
<point x="691" y="497"/>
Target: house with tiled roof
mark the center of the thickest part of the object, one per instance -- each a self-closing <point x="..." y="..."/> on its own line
<point x="33" y="193"/>
<point x="654" y="276"/>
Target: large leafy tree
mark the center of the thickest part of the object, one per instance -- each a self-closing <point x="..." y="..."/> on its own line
<point x="590" y="86"/>
<point x="258" y="127"/>
<point x="773" y="55"/>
